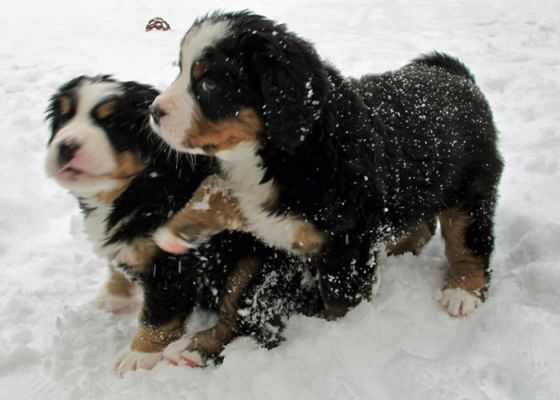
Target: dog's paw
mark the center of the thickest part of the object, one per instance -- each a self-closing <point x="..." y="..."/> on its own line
<point x="169" y="242"/>
<point x="177" y="353"/>
<point x="130" y="360"/>
<point x="117" y="304"/>
<point x="173" y="351"/>
<point x="458" y="302"/>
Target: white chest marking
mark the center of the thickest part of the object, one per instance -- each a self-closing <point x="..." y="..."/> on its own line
<point x="244" y="174"/>
<point x="95" y="224"/>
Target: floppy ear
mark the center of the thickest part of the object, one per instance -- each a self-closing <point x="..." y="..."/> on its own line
<point x="293" y="85"/>
<point x="136" y="102"/>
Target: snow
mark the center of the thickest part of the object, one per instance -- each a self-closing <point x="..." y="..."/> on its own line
<point x="402" y="345"/>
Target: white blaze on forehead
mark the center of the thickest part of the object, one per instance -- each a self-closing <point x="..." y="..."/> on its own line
<point x="90" y="94"/>
<point x="177" y="100"/>
<point x="200" y="37"/>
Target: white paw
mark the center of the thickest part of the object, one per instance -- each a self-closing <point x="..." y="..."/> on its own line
<point x="176" y="354"/>
<point x="117" y="304"/>
<point x="459" y="302"/>
<point x="173" y="351"/>
<point x="130" y="360"/>
<point x="193" y="358"/>
<point x="167" y="241"/>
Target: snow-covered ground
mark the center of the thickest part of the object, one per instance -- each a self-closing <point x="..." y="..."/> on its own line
<point x="56" y="345"/>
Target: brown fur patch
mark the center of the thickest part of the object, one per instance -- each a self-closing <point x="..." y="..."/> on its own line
<point x="105" y="110"/>
<point x="224" y="135"/>
<point x="211" y="341"/>
<point x="153" y="340"/>
<point x="308" y="239"/>
<point x="331" y="313"/>
<point x="412" y="243"/>
<point x="211" y="209"/>
<point x="128" y="165"/>
<point x="119" y="285"/>
<point x="65" y="105"/>
<point x="136" y="255"/>
<point x="199" y="69"/>
<point x="466" y="271"/>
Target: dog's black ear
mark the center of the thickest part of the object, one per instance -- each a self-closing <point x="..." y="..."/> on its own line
<point x="136" y="102"/>
<point x="293" y="85"/>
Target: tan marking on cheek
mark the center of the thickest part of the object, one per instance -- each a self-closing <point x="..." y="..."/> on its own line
<point x="118" y="285"/>
<point x="155" y="339"/>
<point x="199" y="69"/>
<point x="466" y="271"/>
<point x="109" y="196"/>
<point x="210" y="342"/>
<point x="211" y="210"/>
<point x="128" y="165"/>
<point x="105" y="110"/>
<point x="245" y="127"/>
<point x="65" y="105"/>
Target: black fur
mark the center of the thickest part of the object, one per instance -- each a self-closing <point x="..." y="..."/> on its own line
<point x="365" y="159"/>
<point x="174" y="285"/>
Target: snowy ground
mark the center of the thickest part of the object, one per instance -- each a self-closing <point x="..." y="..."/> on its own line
<point x="402" y="345"/>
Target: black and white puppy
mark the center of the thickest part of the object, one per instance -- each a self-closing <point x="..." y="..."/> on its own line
<point x="333" y="167"/>
<point x="128" y="184"/>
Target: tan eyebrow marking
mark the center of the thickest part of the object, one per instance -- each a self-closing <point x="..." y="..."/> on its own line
<point x="106" y="109"/>
<point x="65" y="104"/>
<point x="199" y="69"/>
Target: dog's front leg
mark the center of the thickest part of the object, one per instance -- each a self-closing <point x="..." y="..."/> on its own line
<point x="168" y="300"/>
<point x="347" y="270"/>
<point x="211" y="210"/>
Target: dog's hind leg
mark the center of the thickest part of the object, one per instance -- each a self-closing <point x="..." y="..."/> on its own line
<point x="415" y="241"/>
<point x="207" y="344"/>
<point x="468" y="245"/>
<point x="347" y="272"/>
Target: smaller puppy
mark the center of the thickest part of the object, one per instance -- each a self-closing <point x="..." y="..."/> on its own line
<point x="128" y="184"/>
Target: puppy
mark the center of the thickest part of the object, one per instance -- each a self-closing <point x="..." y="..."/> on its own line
<point x="128" y="183"/>
<point x="333" y="168"/>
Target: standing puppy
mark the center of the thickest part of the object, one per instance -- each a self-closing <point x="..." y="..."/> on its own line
<point x="332" y="167"/>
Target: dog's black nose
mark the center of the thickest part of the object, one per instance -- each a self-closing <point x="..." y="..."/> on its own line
<point x="66" y="150"/>
<point x="157" y="112"/>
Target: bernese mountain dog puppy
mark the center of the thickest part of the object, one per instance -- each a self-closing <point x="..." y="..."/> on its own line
<point x="334" y="168"/>
<point x="128" y="183"/>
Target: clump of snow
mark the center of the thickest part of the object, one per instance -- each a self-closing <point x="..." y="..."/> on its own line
<point x="58" y="345"/>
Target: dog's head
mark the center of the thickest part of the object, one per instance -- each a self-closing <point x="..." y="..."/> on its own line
<point x="243" y="80"/>
<point x="99" y="133"/>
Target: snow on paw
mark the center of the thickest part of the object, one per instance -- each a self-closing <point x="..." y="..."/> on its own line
<point x="117" y="304"/>
<point x="131" y="360"/>
<point x="458" y="302"/>
<point x="169" y="242"/>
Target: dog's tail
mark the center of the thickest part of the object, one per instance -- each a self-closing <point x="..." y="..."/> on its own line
<point x="445" y="61"/>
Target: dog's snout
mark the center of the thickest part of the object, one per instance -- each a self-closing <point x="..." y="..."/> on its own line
<point x="66" y="150"/>
<point x="157" y="112"/>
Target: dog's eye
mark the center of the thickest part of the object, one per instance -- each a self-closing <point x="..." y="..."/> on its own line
<point x="208" y="85"/>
